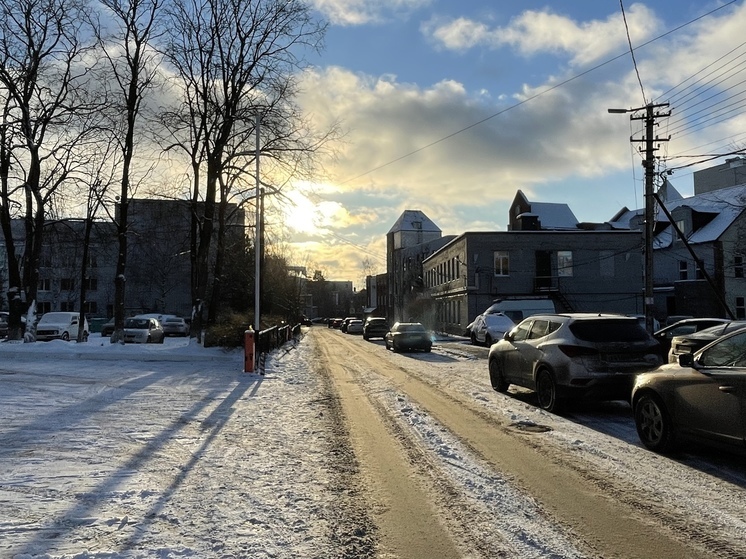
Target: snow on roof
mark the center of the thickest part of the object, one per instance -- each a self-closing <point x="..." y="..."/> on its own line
<point x="553" y="215"/>
<point x="414" y="220"/>
<point x="725" y="204"/>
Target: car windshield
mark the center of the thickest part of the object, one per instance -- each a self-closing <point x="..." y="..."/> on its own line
<point x="54" y="317"/>
<point x="609" y="330"/>
<point x="136" y="323"/>
<point x="411" y="328"/>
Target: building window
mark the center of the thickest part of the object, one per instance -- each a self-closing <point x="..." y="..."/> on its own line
<point x="43" y="307"/>
<point x="502" y="263"/>
<point x="738" y="266"/>
<point x="45" y="285"/>
<point x="740" y="308"/>
<point x="67" y="306"/>
<point x="681" y="224"/>
<point x="683" y="269"/>
<point x="700" y="273"/>
<point x="90" y="307"/>
<point x="91" y="284"/>
<point x="606" y="261"/>
<point x="564" y="263"/>
<point x="67" y="284"/>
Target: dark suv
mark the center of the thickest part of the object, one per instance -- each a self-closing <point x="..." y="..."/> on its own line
<point x="375" y="327"/>
<point x="573" y="355"/>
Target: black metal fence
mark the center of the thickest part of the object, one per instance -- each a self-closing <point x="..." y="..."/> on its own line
<point x="273" y="338"/>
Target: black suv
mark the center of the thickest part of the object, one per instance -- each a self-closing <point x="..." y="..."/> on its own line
<point x="375" y="327"/>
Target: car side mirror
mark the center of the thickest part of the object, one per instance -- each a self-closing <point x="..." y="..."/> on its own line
<point x="507" y="336"/>
<point x="686" y="360"/>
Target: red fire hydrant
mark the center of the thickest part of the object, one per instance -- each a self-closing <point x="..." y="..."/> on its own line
<point x="248" y="351"/>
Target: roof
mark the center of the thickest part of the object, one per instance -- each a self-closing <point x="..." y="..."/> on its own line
<point x="554" y="215"/>
<point x="724" y="205"/>
<point x="409" y="218"/>
<point x="551" y="215"/>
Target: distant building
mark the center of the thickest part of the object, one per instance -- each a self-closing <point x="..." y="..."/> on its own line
<point x="158" y="262"/>
<point x="730" y="173"/>
<point x="409" y="241"/>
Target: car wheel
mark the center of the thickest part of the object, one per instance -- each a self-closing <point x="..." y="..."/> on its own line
<point x="365" y="337"/>
<point x="654" y="425"/>
<point x="488" y="340"/>
<point x="499" y="384"/>
<point x="546" y="391"/>
<point x="473" y="339"/>
<point x="427" y="349"/>
<point x="162" y="340"/>
<point x="65" y="337"/>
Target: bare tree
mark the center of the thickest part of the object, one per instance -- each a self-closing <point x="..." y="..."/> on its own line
<point x="43" y="88"/>
<point x="234" y="60"/>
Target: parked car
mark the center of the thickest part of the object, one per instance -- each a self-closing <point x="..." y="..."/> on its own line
<point x="518" y="309"/>
<point x="686" y="326"/>
<point x="60" y="326"/>
<point x="175" y="326"/>
<point x="691" y="343"/>
<point x="574" y="355"/>
<point x="355" y="326"/>
<point x="702" y="397"/>
<point x="488" y="328"/>
<point x="407" y="336"/>
<point x="334" y="322"/>
<point x="108" y="328"/>
<point x="375" y="327"/>
<point x="345" y="322"/>
<point x="143" y="330"/>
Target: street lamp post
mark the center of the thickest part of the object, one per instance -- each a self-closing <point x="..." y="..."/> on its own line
<point x="257" y="234"/>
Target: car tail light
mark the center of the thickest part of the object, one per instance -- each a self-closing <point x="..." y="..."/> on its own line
<point x="577" y="351"/>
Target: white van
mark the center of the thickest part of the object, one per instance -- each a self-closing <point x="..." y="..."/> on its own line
<point x="60" y="326"/>
<point x="518" y="309"/>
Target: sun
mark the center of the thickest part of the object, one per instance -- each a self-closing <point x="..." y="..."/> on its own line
<point x="302" y="215"/>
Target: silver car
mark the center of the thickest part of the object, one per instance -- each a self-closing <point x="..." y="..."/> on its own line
<point x="143" y="331"/>
<point x="175" y="326"/>
<point x="573" y="355"/>
<point x="702" y="397"/>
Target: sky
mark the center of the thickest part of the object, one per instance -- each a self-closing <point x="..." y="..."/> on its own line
<point x="452" y="107"/>
<point x="171" y="450"/>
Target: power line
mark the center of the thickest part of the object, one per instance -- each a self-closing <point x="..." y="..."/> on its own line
<point x="533" y="97"/>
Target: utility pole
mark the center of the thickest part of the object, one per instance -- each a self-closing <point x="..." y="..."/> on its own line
<point x="648" y="164"/>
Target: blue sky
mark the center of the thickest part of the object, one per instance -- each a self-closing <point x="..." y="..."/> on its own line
<point x="451" y="107"/>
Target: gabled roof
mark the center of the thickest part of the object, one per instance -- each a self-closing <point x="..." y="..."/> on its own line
<point x="554" y="216"/>
<point x="409" y="218"/>
<point x="551" y="215"/>
<point x="720" y="208"/>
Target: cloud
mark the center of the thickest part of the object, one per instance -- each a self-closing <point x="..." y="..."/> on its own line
<point x="538" y="32"/>
<point x="461" y="155"/>
<point x="362" y="12"/>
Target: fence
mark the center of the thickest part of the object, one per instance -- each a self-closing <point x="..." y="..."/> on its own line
<point x="272" y="338"/>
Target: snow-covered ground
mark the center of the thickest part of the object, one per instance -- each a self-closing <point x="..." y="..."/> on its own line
<point x="111" y="451"/>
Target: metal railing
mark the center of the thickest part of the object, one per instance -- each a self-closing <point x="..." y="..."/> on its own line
<point x="271" y="339"/>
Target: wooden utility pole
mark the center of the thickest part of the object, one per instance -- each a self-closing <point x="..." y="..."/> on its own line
<point x="649" y="165"/>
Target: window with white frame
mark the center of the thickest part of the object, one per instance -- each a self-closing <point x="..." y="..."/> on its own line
<point x="740" y="308"/>
<point x="564" y="263"/>
<point x="683" y="269"/>
<point x="502" y="263"/>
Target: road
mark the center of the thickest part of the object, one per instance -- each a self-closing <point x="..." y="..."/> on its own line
<point x="420" y="513"/>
